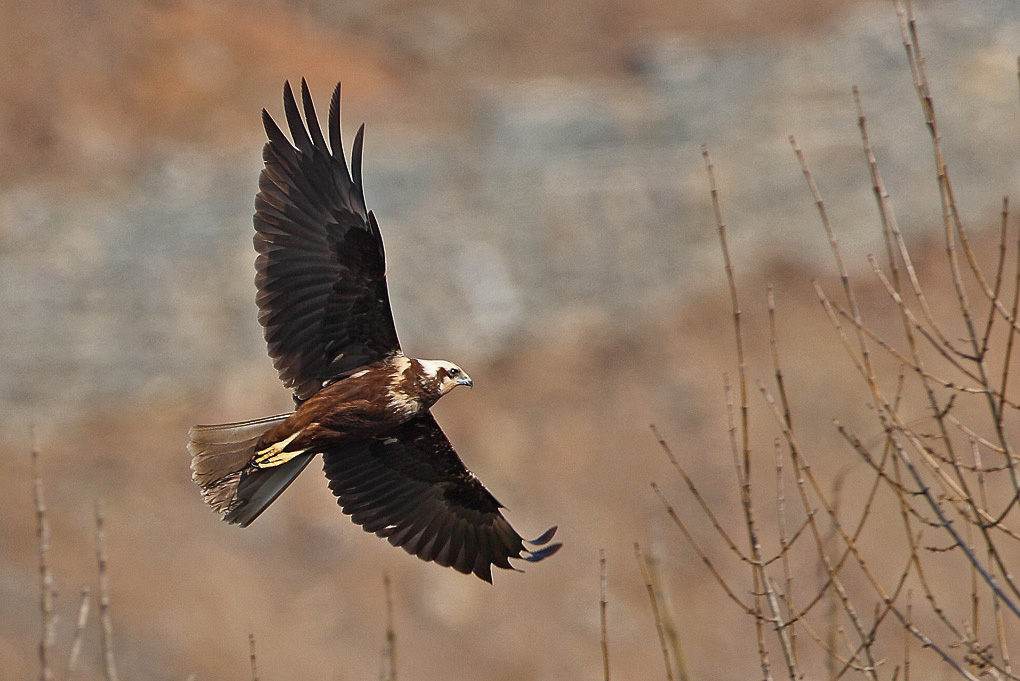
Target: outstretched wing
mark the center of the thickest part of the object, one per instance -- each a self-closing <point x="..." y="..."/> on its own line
<point x="321" y="270"/>
<point x="411" y="488"/>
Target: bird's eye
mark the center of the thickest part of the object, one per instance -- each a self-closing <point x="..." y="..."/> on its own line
<point x="453" y="371"/>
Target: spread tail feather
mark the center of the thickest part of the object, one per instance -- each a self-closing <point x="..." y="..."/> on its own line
<point x="258" y="487"/>
<point x="221" y="456"/>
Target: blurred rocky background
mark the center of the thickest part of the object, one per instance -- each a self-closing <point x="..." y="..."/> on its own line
<point x="536" y="170"/>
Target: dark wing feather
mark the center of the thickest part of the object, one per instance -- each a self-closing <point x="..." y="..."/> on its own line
<point x="321" y="270"/>
<point x="411" y="488"/>
<point x="259" y="487"/>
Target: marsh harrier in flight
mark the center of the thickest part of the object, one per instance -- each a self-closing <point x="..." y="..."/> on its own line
<point x="360" y="401"/>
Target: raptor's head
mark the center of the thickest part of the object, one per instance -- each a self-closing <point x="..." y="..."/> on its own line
<point x="440" y="377"/>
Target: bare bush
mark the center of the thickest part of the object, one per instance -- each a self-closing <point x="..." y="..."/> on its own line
<point x="949" y="480"/>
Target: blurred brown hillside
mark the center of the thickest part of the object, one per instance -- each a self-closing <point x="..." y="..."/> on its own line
<point x="535" y="168"/>
<point x="107" y="78"/>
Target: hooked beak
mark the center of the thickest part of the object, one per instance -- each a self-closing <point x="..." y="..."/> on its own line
<point x="464" y="379"/>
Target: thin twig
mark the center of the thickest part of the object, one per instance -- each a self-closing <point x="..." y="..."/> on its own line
<point x="1000" y="625"/>
<point x="1000" y="266"/>
<point x="251" y="656"/>
<point x="390" y="652"/>
<point x="784" y="551"/>
<point x="669" y="623"/>
<point x="46" y="590"/>
<point x="603" y="606"/>
<point x="702" y="554"/>
<point x="702" y="503"/>
<point x="975" y="596"/>
<point x="743" y="458"/>
<point x="646" y="574"/>
<point x="1011" y="335"/>
<point x="844" y="276"/>
<point x="832" y="612"/>
<point x="907" y="639"/>
<point x="785" y="630"/>
<point x="734" y="301"/>
<point x="84" y="605"/>
<point x="770" y="302"/>
<point x="106" y="622"/>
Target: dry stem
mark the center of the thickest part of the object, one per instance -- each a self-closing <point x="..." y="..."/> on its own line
<point x="46" y="590"/>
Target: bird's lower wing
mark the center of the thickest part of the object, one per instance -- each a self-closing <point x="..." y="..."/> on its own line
<point x="411" y="488"/>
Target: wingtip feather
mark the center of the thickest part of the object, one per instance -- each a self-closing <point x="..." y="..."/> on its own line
<point x="312" y="120"/>
<point x="297" y="127"/>
<point x="544" y="537"/>
<point x="356" y="161"/>
<point x="536" y="556"/>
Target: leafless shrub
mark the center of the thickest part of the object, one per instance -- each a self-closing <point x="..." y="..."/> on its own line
<point x="951" y="480"/>
<point x="49" y="617"/>
<point x="47" y="590"/>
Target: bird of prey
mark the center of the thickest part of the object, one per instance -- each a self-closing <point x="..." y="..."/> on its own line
<point x="360" y="402"/>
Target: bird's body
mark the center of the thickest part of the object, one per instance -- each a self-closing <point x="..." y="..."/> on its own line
<point x="365" y="404"/>
<point x="361" y="403"/>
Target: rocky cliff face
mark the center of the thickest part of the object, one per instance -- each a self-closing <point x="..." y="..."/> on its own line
<point x="551" y="197"/>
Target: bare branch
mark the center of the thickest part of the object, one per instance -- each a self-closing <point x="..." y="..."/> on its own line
<point x="252" y="658"/>
<point x="106" y="622"/>
<point x="46" y="590"/>
<point x="646" y="573"/>
<point x="390" y="650"/>
<point x="79" y="632"/>
<point x="603" y="605"/>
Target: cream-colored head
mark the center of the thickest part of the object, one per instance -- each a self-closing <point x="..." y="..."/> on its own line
<point x="440" y="377"/>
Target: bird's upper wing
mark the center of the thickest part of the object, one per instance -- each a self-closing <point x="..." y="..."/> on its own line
<point x="411" y="488"/>
<point x="320" y="271"/>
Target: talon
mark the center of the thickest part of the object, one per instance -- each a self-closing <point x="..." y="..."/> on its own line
<point x="274" y="455"/>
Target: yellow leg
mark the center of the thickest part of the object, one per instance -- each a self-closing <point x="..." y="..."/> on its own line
<point x="274" y="455"/>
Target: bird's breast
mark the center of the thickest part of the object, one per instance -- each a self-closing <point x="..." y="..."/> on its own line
<point x="402" y="404"/>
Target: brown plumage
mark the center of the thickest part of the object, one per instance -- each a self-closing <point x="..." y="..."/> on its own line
<point x="360" y="402"/>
